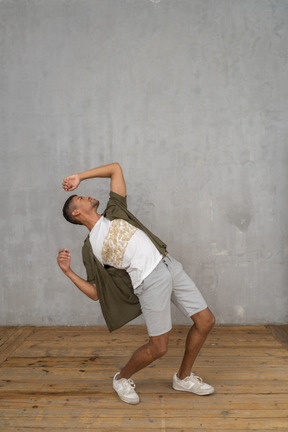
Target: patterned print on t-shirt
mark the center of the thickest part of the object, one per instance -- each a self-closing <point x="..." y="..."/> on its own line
<point x="116" y="242"/>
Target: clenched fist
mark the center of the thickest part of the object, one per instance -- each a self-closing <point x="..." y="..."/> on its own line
<point x="64" y="260"/>
<point x="70" y="183"/>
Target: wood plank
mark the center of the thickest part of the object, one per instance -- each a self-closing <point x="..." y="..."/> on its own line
<point x="90" y="335"/>
<point x="131" y="328"/>
<point x="88" y="386"/>
<point x="177" y="331"/>
<point x="29" y="350"/>
<point x="139" y="413"/>
<point x="127" y="429"/>
<point x="167" y="361"/>
<point x="14" y="341"/>
<point x="227" y="342"/>
<point x="151" y="401"/>
<point x="156" y="372"/>
<point x="6" y="333"/>
<point x="155" y="423"/>
<point x="280" y="333"/>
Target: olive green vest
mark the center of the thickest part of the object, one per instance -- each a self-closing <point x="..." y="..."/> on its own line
<point x="118" y="302"/>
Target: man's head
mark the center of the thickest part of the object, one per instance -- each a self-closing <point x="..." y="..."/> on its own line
<point x="77" y="209"/>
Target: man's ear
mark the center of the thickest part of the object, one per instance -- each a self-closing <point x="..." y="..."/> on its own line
<point x="76" y="213"/>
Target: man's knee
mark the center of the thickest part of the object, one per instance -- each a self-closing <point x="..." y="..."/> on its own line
<point x="161" y="350"/>
<point x="159" y="346"/>
<point x="204" y="320"/>
<point x="211" y="321"/>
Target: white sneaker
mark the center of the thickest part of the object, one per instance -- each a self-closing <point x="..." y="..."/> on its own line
<point x="192" y="384"/>
<point x="126" y="390"/>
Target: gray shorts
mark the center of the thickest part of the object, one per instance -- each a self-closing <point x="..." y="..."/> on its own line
<point x="168" y="281"/>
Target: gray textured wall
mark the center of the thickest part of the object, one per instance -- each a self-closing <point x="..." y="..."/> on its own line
<point x="190" y="96"/>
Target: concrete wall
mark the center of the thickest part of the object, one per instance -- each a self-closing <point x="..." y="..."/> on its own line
<point x="191" y="97"/>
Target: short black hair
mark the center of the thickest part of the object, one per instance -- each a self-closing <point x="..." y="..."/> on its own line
<point x="68" y="208"/>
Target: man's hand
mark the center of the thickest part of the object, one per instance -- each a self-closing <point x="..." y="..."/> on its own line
<point x="112" y="171"/>
<point x="64" y="260"/>
<point x="70" y="183"/>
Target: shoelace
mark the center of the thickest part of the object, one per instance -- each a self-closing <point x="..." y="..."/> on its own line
<point x="130" y="384"/>
<point x="197" y="378"/>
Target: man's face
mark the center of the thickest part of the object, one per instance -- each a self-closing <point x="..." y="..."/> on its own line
<point x="86" y="204"/>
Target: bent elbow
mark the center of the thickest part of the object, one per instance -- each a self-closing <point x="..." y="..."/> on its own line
<point x="117" y="166"/>
<point x="94" y="295"/>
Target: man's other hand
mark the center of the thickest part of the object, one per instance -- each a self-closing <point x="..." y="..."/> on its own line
<point x="64" y="260"/>
<point x="70" y="183"/>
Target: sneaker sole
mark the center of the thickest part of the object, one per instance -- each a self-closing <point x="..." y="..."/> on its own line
<point x="198" y="393"/>
<point x="128" y="401"/>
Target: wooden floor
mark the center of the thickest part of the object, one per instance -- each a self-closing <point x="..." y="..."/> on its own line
<point x="59" y="379"/>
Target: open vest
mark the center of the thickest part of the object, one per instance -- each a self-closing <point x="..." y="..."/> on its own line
<point x="118" y="302"/>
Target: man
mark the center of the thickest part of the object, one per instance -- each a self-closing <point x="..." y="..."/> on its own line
<point x="130" y="271"/>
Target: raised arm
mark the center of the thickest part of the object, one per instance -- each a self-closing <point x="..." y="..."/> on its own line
<point x="112" y="171"/>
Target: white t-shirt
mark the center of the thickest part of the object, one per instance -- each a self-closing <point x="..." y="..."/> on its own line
<point x="119" y="244"/>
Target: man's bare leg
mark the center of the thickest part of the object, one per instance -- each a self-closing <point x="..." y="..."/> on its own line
<point x="146" y="354"/>
<point x="157" y="347"/>
<point x="203" y="324"/>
